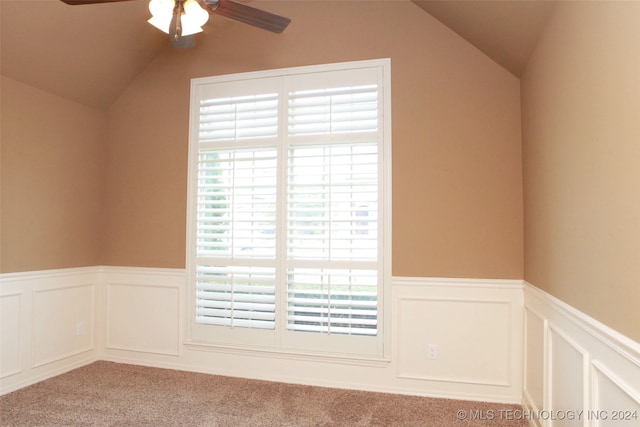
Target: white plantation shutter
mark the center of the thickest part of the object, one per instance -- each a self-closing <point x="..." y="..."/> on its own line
<point x="332" y="216"/>
<point x="333" y="110"/>
<point x="332" y="193"/>
<point x="332" y="204"/>
<point x="236" y="211"/>
<point x="239" y="117"/>
<point x="236" y="296"/>
<point x="332" y="301"/>
<point x="236" y="207"/>
<point x="286" y="214"/>
<point x="236" y="203"/>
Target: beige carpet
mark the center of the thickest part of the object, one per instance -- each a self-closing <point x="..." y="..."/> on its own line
<point x="113" y="394"/>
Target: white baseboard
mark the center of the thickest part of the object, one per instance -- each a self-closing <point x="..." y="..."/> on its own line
<point x="576" y="366"/>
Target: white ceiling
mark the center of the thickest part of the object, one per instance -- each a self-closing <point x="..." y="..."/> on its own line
<point x="91" y="53"/>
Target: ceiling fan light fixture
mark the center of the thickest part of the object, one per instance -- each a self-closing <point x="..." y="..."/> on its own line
<point x="192" y="20"/>
<point x="161" y="14"/>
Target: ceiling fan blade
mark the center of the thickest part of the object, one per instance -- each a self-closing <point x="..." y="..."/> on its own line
<point x="248" y="15"/>
<point x="79" y="2"/>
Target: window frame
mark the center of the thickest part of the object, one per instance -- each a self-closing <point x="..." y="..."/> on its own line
<point x="270" y="340"/>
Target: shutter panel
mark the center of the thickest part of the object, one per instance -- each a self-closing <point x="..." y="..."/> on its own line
<point x="236" y="205"/>
<point x="335" y="110"/>
<point x="236" y="211"/>
<point x="332" y="209"/>
<point x="236" y="296"/>
<point x="332" y="301"/>
<point x="239" y="117"/>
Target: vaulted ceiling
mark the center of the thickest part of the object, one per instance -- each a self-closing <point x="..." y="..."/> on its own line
<point x="88" y="54"/>
<point x="91" y="53"/>
<point x="506" y="31"/>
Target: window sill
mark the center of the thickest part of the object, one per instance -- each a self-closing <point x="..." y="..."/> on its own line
<point x="287" y="354"/>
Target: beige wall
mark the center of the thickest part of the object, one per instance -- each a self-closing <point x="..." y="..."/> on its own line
<point x="51" y="182"/>
<point x="457" y="184"/>
<point x="457" y="208"/>
<point x="581" y="135"/>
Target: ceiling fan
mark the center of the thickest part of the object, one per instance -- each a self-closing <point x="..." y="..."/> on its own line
<point x="182" y="19"/>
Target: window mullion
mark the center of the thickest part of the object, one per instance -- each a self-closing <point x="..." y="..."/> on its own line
<point x="281" y="212"/>
<point x="329" y="203"/>
<point x="233" y="224"/>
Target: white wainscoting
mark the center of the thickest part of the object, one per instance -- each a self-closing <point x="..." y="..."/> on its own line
<point x="48" y="324"/>
<point x="476" y="326"/>
<point x="11" y="327"/>
<point x="54" y="321"/>
<point x="144" y="309"/>
<point x="145" y="325"/>
<point x="577" y="371"/>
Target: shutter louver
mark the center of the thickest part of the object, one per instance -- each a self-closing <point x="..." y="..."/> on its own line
<point x="237" y="118"/>
<point x="332" y="301"/>
<point x="236" y="203"/>
<point x="236" y="296"/>
<point x="333" y="202"/>
<point x="335" y="110"/>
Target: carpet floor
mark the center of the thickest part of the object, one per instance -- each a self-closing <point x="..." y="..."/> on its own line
<point x="114" y="394"/>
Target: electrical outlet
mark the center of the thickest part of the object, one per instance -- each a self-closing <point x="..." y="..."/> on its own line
<point x="432" y="351"/>
<point x="80" y="328"/>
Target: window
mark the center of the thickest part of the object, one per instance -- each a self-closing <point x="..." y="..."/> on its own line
<point x="289" y="209"/>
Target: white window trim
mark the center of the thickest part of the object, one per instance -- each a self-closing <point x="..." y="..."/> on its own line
<point x="384" y="315"/>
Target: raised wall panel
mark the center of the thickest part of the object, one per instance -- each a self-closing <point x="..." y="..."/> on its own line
<point x="534" y="354"/>
<point x="63" y="322"/>
<point x="566" y="377"/>
<point x="143" y="318"/>
<point x="10" y="329"/>
<point x="616" y="402"/>
<point x="473" y="339"/>
<point x="476" y="325"/>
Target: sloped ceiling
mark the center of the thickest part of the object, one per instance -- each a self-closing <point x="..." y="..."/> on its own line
<point x="506" y="31"/>
<point x="88" y="54"/>
<point x="91" y="53"/>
